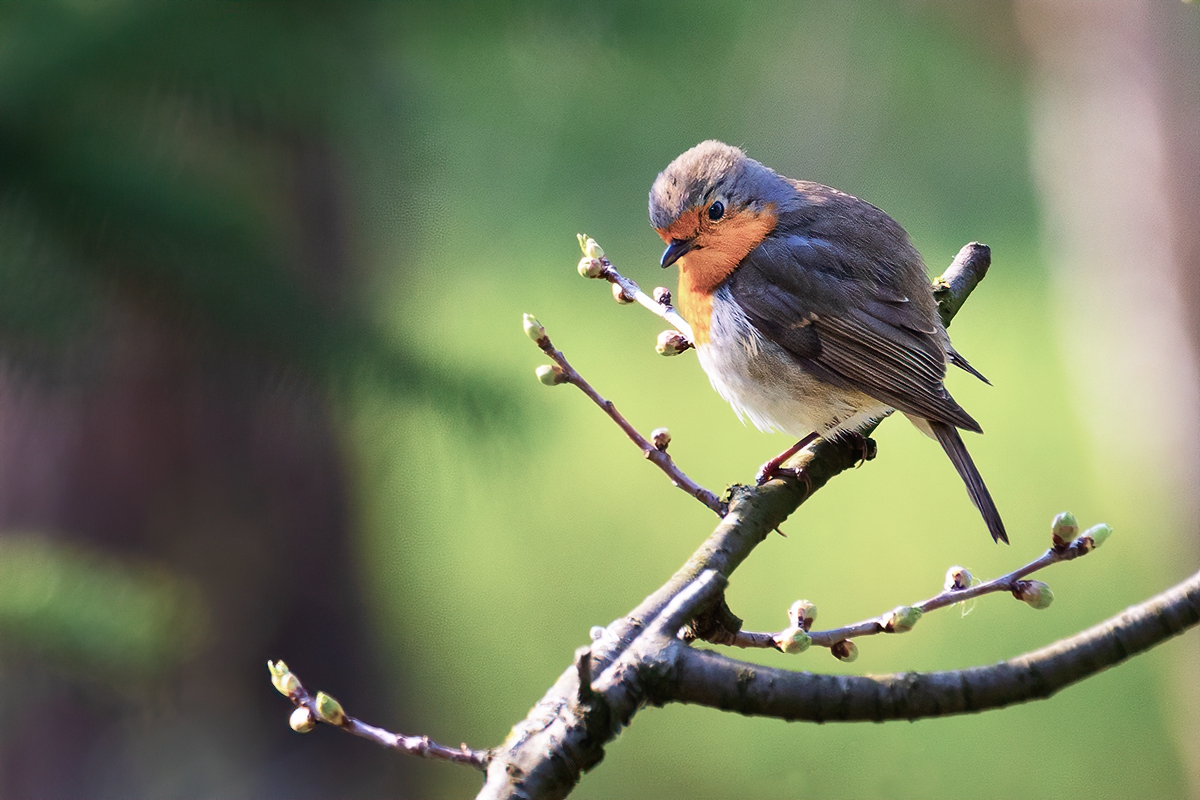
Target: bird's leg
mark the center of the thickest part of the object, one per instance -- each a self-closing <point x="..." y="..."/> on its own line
<point x="772" y="468"/>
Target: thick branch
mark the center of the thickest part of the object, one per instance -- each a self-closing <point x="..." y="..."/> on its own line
<point x="707" y="678"/>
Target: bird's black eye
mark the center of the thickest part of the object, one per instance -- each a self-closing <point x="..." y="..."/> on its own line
<point x="716" y="211"/>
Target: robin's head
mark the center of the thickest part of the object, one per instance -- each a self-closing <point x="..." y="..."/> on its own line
<point x="715" y="198"/>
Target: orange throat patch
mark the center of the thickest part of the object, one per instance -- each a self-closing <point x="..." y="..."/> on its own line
<point x="719" y="250"/>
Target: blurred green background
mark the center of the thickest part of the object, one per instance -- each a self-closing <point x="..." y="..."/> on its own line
<point x="265" y="393"/>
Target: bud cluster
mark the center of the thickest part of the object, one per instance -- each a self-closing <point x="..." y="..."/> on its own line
<point x="1064" y="533"/>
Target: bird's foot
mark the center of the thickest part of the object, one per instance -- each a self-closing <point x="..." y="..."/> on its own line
<point x="786" y="472"/>
<point x="865" y="447"/>
<point x="774" y="468"/>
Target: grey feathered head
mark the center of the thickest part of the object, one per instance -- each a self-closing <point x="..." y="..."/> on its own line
<point x="708" y="170"/>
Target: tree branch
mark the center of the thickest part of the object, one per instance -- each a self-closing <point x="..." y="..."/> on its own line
<point x="311" y="709"/>
<point x="562" y="737"/>
<point x="1033" y="592"/>
<point x="706" y="678"/>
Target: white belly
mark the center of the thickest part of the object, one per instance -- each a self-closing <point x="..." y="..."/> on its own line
<point x="767" y="386"/>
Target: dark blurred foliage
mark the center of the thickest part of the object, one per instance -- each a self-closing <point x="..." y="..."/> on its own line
<point x="177" y="298"/>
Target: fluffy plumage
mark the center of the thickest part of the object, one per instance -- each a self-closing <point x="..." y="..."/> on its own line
<point x="811" y="309"/>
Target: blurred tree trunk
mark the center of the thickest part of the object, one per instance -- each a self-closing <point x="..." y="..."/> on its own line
<point x="196" y="457"/>
<point x="1116" y="145"/>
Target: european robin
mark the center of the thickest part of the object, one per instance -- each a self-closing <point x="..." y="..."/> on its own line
<point x="810" y="309"/>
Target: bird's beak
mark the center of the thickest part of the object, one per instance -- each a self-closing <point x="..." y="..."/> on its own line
<point x="677" y="249"/>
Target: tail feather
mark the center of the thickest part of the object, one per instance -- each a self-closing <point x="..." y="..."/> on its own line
<point x="952" y="443"/>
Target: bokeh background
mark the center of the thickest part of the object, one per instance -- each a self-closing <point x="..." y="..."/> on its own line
<point x="264" y="392"/>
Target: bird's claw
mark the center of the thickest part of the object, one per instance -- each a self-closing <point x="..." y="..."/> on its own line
<point x="771" y="471"/>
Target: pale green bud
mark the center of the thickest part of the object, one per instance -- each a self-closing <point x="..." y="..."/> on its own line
<point x="793" y="640"/>
<point x="1064" y="529"/>
<point x="1093" y="537"/>
<point x="901" y="619"/>
<point x="671" y="343"/>
<point x="551" y="374"/>
<point x="302" y="720"/>
<point x="661" y="438"/>
<point x="958" y="578"/>
<point x="330" y="710"/>
<point x="533" y="329"/>
<point x="620" y="296"/>
<point x="591" y="248"/>
<point x="845" y="650"/>
<point x="802" y="614"/>
<point x="287" y="684"/>
<point x="590" y="267"/>
<point x="1035" y="594"/>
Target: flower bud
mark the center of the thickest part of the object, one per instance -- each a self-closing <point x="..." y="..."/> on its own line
<point x="589" y="246"/>
<point x="282" y="679"/>
<point x="901" y="619"/>
<point x="661" y="438"/>
<point x="620" y="296"/>
<point x="330" y="710"/>
<point x="1035" y="594"/>
<point x="1064" y="529"/>
<point x="845" y="650"/>
<point x="793" y="640"/>
<point x="1093" y="537"/>
<point x="671" y="343"/>
<point x="802" y="614"/>
<point x="958" y="578"/>
<point x="597" y="632"/>
<point x="534" y="329"/>
<point x="302" y="720"/>
<point x="662" y="295"/>
<point x="551" y="374"/>
<point x="590" y="267"/>
<point x="287" y="684"/>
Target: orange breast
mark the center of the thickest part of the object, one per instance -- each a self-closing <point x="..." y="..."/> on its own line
<point x="718" y="252"/>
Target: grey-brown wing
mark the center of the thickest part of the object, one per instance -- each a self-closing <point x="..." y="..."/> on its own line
<point x="801" y="295"/>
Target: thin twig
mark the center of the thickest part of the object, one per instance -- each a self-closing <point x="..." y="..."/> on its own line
<point x="631" y="289"/>
<point x="654" y="455"/>
<point x="869" y="627"/>
<point x="289" y="685"/>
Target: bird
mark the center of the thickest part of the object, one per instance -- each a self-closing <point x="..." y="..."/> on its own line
<point x="811" y="310"/>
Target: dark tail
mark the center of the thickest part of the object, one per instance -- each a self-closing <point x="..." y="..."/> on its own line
<point x="952" y="443"/>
